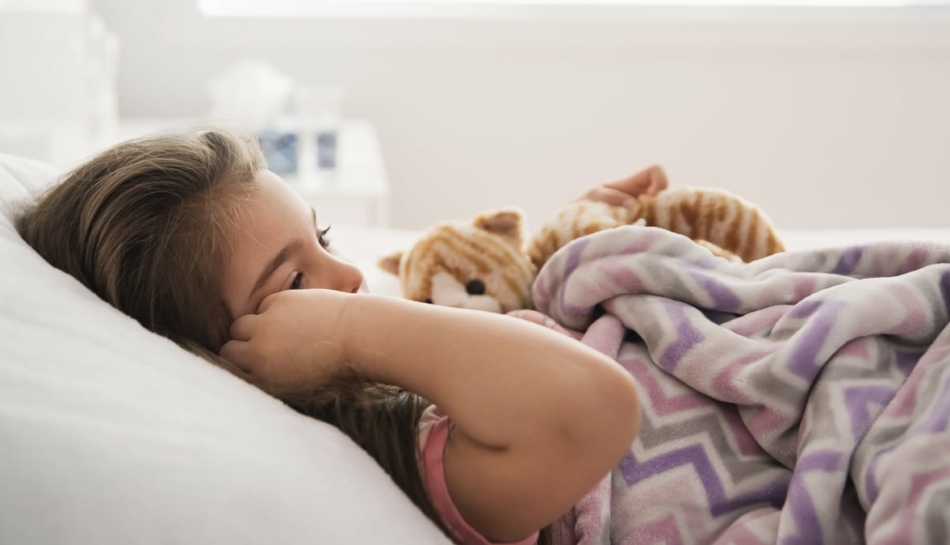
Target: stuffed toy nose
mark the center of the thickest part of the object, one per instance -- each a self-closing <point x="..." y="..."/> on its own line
<point x="475" y="287"/>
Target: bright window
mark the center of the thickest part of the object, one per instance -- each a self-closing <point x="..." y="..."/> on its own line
<point x="279" y="8"/>
<point x="57" y="6"/>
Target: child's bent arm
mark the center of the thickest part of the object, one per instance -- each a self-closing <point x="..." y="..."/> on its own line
<point x="539" y="418"/>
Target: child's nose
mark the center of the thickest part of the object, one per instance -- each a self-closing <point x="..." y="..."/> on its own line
<point x="350" y="279"/>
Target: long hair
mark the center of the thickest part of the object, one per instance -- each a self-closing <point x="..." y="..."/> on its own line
<point x="142" y="225"/>
<point x="145" y="226"/>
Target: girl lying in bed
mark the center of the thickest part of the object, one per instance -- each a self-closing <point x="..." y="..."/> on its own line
<point x="492" y="426"/>
<point x="800" y="398"/>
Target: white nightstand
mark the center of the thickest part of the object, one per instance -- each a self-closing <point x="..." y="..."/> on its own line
<point x="357" y="193"/>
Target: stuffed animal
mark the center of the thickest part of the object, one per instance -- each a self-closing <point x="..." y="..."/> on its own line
<point x="728" y="225"/>
<point x="479" y="264"/>
<point x="486" y="263"/>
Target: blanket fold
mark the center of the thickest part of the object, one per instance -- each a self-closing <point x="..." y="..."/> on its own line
<point x="801" y="398"/>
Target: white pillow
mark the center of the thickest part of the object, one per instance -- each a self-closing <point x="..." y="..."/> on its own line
<point x="110" y="434"/>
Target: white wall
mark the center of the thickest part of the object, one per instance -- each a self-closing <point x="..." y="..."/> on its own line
<point x="56" y="89"/>
<point x="825" y="125"/>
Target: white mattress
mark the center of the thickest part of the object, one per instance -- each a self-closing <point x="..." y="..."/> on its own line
<point x="800" y="239"/>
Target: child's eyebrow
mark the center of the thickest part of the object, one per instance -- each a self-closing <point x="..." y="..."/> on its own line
<point x="273" y="265"/>
<point x="279" y="259"/>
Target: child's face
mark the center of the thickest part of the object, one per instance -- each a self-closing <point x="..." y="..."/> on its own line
<point x="278" y="246"/>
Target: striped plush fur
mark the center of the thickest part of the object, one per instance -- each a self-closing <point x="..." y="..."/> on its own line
<point x="725" y="223"/>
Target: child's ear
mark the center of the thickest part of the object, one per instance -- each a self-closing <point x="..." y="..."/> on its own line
<point x="390" y="263"/>
<point x="506" y="223"/>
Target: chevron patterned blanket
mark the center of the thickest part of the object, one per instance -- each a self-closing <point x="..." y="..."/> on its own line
<point x="802" y="398"/>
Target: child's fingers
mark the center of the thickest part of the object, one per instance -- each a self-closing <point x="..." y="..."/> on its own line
<point x="238" y="353"/>
<point x="648" y="181"/>
<point x="576" y="335"/>
<point x="613" y="197"/>
<point x="243" y="327"/>
<point x="528" y="315"/>
<point x="546" y="321"/>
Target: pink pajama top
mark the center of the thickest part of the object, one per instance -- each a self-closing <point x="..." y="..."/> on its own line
<point x="434" y="430"/>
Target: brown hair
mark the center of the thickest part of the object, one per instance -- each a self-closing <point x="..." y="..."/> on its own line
<point x="132" y="225"/>
<point x="144" y="225"/>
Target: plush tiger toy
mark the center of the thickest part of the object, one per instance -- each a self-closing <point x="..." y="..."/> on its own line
<point x="728" y="225"/>
<point x="486" y="264"/>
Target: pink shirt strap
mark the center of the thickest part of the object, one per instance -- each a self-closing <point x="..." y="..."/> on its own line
<point x="434" y="431"/>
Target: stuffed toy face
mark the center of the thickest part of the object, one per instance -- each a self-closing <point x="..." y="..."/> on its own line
<point x="478" y="265"/>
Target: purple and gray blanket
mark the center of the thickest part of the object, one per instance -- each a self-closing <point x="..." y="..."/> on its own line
<point x="802" y="398"/>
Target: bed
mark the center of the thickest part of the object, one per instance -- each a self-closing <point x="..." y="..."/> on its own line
<point x="111" y="434"/>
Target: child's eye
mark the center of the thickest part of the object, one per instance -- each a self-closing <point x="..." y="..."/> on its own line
<point x="323" y="239"/>
<point x="295" y="285"/>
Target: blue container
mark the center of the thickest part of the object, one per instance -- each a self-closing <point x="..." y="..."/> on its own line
<point x="327" y="149"/>
<point x="280" y="151"/>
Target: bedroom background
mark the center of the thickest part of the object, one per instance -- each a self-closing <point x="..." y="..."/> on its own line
<point x="833" y="116"/>
<point x="828" y="116"/>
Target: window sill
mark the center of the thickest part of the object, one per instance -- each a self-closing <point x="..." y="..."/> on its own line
<point x="613" y="28"/>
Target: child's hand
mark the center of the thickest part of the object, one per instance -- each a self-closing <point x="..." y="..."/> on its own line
<point x="649" y="181"/>
<point x="546" y="321"/>
<point x="295" y="341"/>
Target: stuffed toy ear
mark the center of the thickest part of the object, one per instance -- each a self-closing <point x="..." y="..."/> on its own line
<point x="390" y="263"/>
<point x="506" y="223"/>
